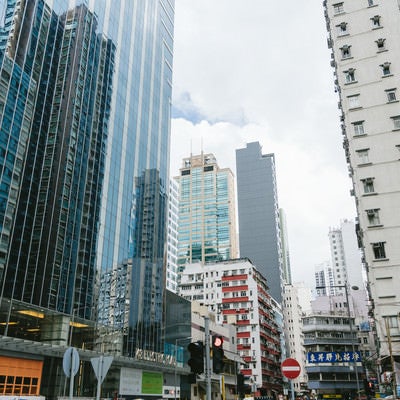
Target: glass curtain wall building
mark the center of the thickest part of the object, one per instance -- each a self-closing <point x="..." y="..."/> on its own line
<point x="84" y="147"/>
<point x="207" y="228"/>
<point x="259" y="218"/>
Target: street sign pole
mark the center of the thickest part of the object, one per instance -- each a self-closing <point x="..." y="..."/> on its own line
<point x="71" y="366"/>
<point x="101" y="366"/>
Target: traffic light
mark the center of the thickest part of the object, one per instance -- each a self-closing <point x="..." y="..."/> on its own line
<point x="196" y="359"/>
<point x="217" y="354"/>
<point x="240" y="384"/>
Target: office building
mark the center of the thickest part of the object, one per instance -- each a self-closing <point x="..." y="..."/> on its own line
<point x="207" y="227"/>
<point x="259" y="219"/>
<point x="287" y="272"/>
<point x="84" y="146"/>
<point x="363" y="37"/>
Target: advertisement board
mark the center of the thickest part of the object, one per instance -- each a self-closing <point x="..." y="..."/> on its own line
<point x="137" y="382"/>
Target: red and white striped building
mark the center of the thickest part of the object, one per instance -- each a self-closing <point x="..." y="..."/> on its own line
<point x="238" y="294"/>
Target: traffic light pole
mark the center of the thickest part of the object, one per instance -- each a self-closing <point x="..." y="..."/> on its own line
<point x="207" y="355"/>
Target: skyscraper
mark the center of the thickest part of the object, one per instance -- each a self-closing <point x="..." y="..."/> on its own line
<point x="363" y="37"/>
<point x="84" y="125"/>
<point x="345" y="255"/>
<point x="207" y="228"/>
<point x="258" y="210"/>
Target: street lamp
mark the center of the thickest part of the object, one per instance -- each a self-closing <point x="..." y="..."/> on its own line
<point x="345" y="287"/>
<point x="176" y="360"/>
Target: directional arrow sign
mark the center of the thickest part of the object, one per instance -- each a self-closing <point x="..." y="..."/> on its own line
<point x="291" y="368"/>
<point x="101" y="366"/>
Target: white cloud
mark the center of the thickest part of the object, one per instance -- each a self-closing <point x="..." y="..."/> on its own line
<point x="259" y="71"/>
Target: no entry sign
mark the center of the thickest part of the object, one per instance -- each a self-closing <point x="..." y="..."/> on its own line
<point x="291" y="368"/>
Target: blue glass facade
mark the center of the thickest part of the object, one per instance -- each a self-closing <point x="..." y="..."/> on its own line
<point x="91" y="83"/>
<point x="206" y="212"/>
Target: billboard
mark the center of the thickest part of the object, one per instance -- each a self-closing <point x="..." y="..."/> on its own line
<point x="137" y="382"/>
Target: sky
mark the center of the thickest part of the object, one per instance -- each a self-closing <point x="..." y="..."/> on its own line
<point x="259" y="70"/>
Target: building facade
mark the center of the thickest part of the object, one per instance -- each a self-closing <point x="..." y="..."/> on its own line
<point x="333" y="360"/>
<point x="172" y="237"/>
<point x="207" y="217"/>
<point x="85" y="134"/>
<point x="239" y="296"/>
<point x="258" y="211"/>
<point x="346" y="256"/>
<point x="362" y="39"/>
<point x="294" y="336"/>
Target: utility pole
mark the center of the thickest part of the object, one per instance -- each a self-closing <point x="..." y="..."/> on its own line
<point x="207" y="354"/>
<point x="389" y="339"/>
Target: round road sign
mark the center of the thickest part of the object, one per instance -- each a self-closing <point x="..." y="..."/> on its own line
<point x="71" y="362"/>
<point x="291" y="368"/>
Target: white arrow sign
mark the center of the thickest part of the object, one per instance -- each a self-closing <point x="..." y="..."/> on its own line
<point x="101" y="365"/>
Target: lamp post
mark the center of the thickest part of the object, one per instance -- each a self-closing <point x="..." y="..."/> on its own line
<point x="176" y="360"/>
<point x="345" y="287"/>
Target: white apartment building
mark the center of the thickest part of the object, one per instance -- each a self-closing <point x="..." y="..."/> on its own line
<point x="238" y="294"/>
<point x="324" y="279"/>
<point x="172" y="236"/>
<point x="294" y="336"/>
<point x="363" y="36"/>
<point x="346" y="256"/>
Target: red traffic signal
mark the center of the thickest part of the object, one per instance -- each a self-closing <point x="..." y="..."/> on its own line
<point x="218" y="341"/>
<point x="217" y="354"/>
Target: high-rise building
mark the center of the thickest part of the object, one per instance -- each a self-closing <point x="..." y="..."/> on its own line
<point x="84" y="153"/>
<point x="346" y="256"/>
<point x="207" y="228"/>
<point x="363" y="37"/>
<point x="324" y="279"/>
<point x="258" y="210"/>
<point x="287" y="272"/>
<point x="172" y="237"/>
<point x="293" y="330"/>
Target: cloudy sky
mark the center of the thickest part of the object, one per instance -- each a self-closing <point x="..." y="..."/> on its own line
<point x="259" y="70"/>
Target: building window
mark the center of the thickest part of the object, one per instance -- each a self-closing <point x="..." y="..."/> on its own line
<point x="350" y="75"/>
<point x="373" y="216"/>
<point x="396" y="122"/>
<point x="370" y="3"/>
<point x="342" y="29"/>
<point x="346" y="53"/>
<point x="368" y="185"/>
<point x="385" y="68"/>
<point x="358" y="128"/>
<point x="392" y="321"/>
<point x="391" y="95"/>
<point x="354" y="101"/>
<point x="380" y="44"/>
<point x="363" y="157"/>
<point x="376" y="21"/>
<point x="338" y="8"/>
<point x="379" y="250"/>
